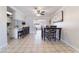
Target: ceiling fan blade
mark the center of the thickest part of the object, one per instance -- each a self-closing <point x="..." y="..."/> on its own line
<point x="42" y="14"/>
<point x="42" y="11"/>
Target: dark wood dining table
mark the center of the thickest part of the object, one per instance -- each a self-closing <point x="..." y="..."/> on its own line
<point x="58" y="31"/>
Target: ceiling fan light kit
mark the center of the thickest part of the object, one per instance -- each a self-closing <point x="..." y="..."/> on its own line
<point x="39" y="11"/>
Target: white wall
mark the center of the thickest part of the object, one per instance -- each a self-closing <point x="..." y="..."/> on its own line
<point x="18" y="15"/>
<point x="42" y="22"/>
<point x="29" y="22"/>
<point x="70" y="26"/>
<point x="8" y="19"/>
<point x="3" y="27"/>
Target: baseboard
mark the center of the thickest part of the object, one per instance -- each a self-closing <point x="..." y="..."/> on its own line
<point x="2" y="47"/>
<point x="77" y="50"/>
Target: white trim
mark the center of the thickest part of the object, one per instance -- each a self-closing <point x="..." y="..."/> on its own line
<point x="77" y="49"/>
<point x="2" y="47"/>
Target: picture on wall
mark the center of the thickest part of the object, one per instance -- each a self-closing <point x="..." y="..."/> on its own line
<point x="58" y="17"/>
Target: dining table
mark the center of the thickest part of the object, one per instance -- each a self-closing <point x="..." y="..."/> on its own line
<point x="58" y="32"/>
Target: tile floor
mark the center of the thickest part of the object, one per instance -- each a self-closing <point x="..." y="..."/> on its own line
<point x="34" y="44"/>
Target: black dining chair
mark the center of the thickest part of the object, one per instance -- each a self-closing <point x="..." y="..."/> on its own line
<point x="53" y="32"/>
<point x="53" y="26"/>
<point x="46" y="33"/>
<point x="50" y="33"/>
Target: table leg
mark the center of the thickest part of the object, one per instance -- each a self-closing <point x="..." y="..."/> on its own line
<point x="59" y="34"/>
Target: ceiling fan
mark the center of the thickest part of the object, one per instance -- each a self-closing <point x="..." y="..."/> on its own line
<point x="39" y="11"/>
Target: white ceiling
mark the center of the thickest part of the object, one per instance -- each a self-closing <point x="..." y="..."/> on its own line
<point x="28" y="11"/>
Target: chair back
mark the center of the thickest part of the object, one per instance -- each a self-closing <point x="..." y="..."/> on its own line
<point x="53" y="26"/>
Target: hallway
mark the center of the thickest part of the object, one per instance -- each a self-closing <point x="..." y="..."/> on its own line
<point x="34" y="44"/>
